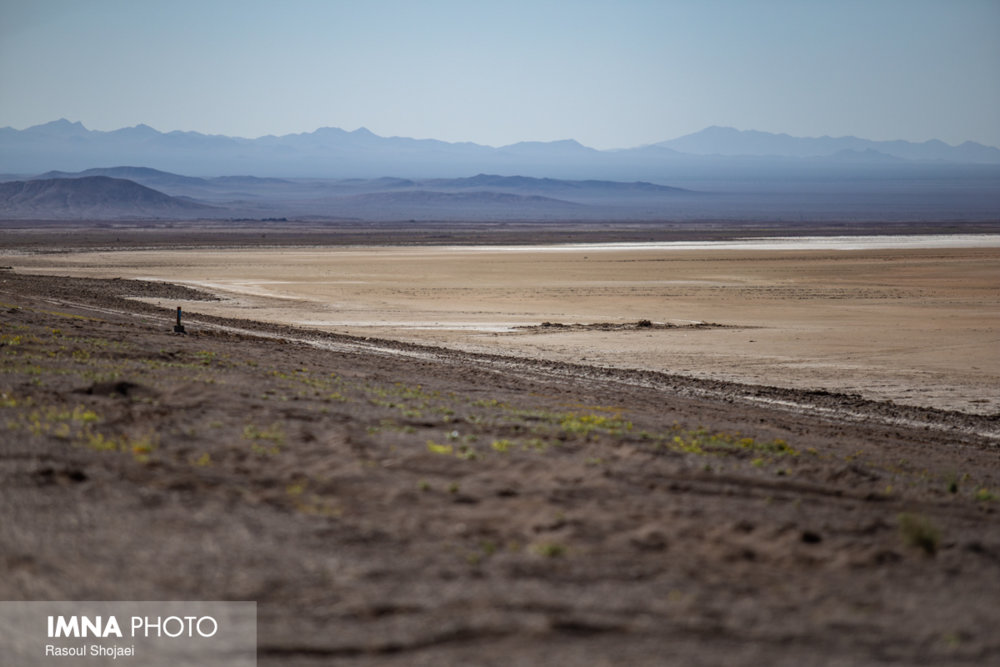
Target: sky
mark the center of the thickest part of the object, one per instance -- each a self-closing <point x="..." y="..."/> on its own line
<point x="610" y="74"/>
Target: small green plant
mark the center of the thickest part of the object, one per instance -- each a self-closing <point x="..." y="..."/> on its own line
<point x="85" y="416"/>
<point x="535" y="445"/>
<point x="919" y="532"/>
<point x="142" y="446"/>
<point x="466" y="453"/>
<point x="985" y="495"/>
<point x="101" y="442"/>
<point x="584" y="424"/>
<point x="551" y="549"/>
<point x="273" y="434"/>
<point x="501" y="445"/>
<point x="439" y="449"/>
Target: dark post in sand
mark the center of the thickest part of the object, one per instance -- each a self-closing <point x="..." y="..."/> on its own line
<point x="178" y="328"/>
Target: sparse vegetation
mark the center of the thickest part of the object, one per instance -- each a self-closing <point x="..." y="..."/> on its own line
<point x="532" y="481"/>
<point x="985" y="495"/>
<point x="919" y="532"/>
<point x="267" y="440"/>
<point x="550" y="550"/>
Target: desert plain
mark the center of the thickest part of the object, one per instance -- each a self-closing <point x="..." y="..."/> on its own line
<point x="524" y="455"/>
<point x="914" y="320"/>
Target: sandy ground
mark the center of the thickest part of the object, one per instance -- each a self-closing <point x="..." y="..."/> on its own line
<point x="918" y="326"/>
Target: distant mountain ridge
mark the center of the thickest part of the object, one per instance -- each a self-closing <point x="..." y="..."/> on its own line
<point x="103" y="193"/>
<point x="335" y="153"/>
<point x="727" y="141"/>
<point x="192" y="186"/>
<point x="154" y="178"/>
<point x="871" y="187"/>
<point x="145" y="175"/>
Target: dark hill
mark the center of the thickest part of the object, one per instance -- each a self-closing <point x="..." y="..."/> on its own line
<point x="91" y="197"/>
<point x="152" y="178"/>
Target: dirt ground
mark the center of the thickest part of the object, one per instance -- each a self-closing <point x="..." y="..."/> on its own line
<point x="387" y="503"/>
<point x="914" y="325"/>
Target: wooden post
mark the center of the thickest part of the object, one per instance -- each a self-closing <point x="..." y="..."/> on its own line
<point x="178" y="328"/>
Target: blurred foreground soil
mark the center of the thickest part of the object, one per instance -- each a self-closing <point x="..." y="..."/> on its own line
<point x="429" y="507"/>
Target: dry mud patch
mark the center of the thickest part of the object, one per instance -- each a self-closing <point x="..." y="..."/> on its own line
<point x="918" y="326"/>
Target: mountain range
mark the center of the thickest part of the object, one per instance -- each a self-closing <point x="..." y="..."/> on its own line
<point x="718" y="173"/>
<point x="335" y="153"/>
<point x="726" y="141"/>
<point x="142" y="192"/>
<point x="145" y="193"/>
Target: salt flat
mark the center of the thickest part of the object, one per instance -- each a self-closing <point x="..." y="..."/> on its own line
<point x="904" y="321"/>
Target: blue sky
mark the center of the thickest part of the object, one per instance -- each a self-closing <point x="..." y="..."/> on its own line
<point x="609" y="74"/>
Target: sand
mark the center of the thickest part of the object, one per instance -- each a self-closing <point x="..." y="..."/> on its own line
<point x="914" y="325"/>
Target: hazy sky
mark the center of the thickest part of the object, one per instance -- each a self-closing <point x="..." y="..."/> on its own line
<point x="610" y="74"/>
